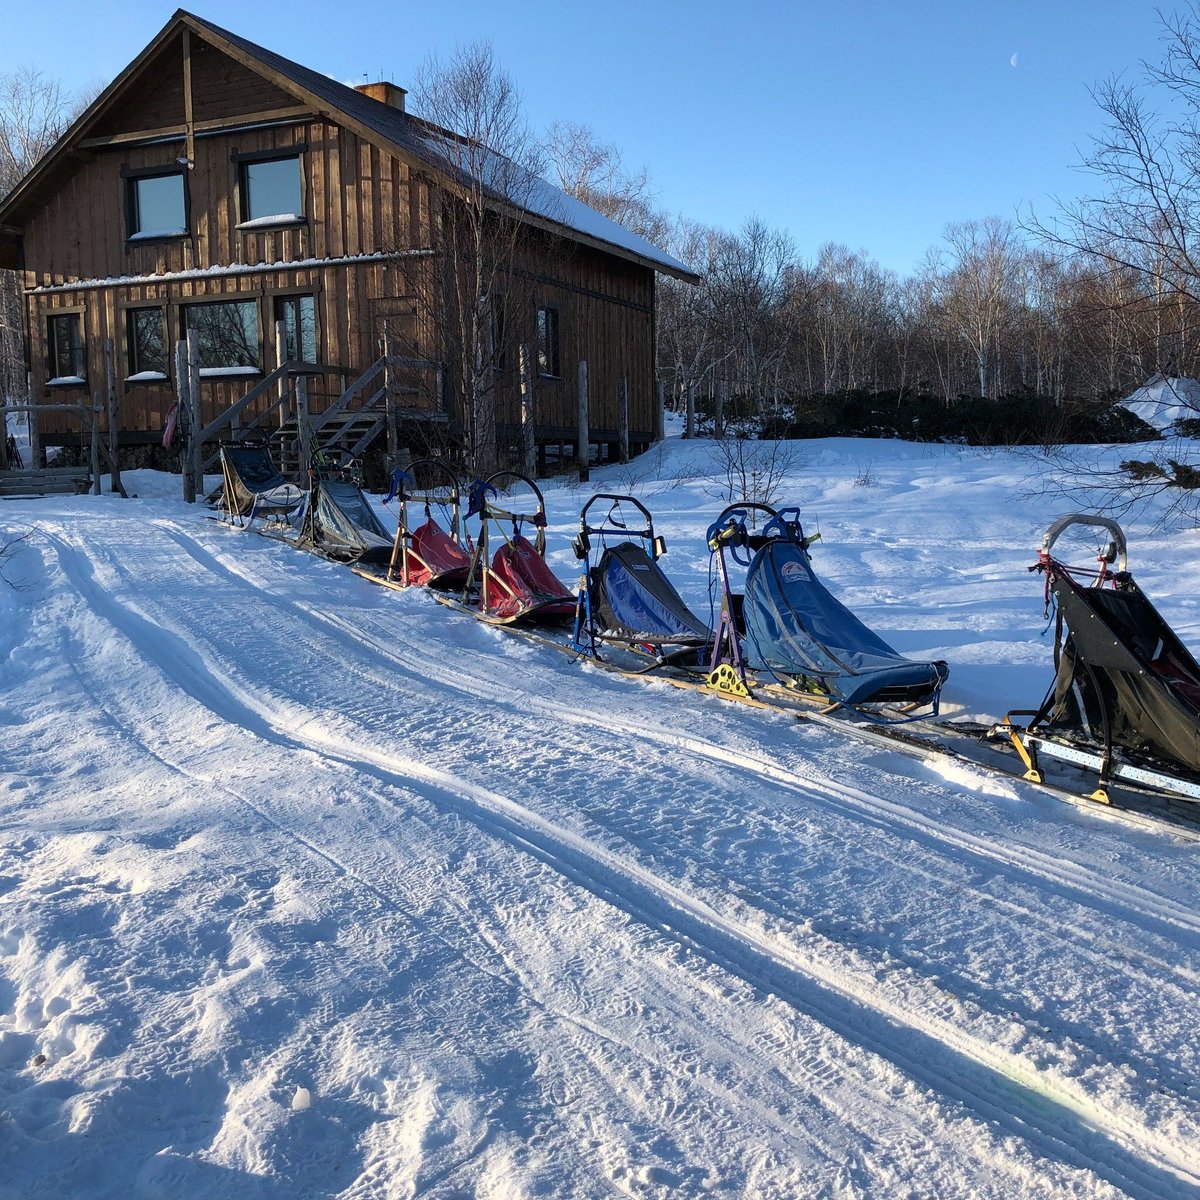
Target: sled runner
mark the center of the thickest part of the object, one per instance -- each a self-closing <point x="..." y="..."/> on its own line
<point x="516" y="584"/>
<point x="786" y="630"/>
<point x="625" y="600"/>
<point x="1125" y="701"/>
<point x="251" y="485"/>
<point x="339" y="522"/>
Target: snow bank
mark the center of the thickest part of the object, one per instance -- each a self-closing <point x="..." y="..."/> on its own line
<point x="1163" y="401"/>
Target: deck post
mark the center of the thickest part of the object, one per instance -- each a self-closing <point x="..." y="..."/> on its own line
<point x="195" y="423"/>
<point x="303" y="433"/>
<point x="183" y="411"/>
<point x="689" y="426"/>
<point x="114" y="461"/>
<point x="96" y="444"/>
<point x="623" y="419"/>
<point x="583" y="445"/>
<point x="528" y="431"/>
<point x="660" y="411"/>
<point x="280" y="358"/>
<point x="35" y="439"/>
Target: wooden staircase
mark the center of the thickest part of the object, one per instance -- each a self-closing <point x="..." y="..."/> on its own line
<point x="278" y="410"/>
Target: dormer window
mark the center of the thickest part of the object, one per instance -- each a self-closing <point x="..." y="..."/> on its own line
<point x="271" y="188"/>
<point x="156" y="204"/>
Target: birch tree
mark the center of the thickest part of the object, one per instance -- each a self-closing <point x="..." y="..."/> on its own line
<point x="475" y="120"/>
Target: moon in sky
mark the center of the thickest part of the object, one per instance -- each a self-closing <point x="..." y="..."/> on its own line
<point x="1012" y="62"/>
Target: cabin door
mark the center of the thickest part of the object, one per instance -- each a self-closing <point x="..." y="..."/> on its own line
<point x="413" y="380"/>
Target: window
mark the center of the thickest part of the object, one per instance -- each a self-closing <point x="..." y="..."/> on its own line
<point x="156" y="204"/>
<point x="271" y="190"/>
<point x="228" y="335"/>
<point x="496" y="349"/>
<point x="299" y="317"/>
<point x="547" y="342"/>
<point x="145" y="343"/>
<point x="64" y="339"/>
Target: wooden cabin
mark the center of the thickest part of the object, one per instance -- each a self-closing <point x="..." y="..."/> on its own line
<point x="296" y="224"/>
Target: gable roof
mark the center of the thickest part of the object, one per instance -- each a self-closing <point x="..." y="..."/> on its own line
<point x="402" y="133"/>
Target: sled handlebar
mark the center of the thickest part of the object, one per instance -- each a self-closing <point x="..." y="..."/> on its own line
<point x="607" y="524"/>
<point x="1117" y="549"/>
<point x="404" y="476"/>
<point x="492" y="482"/>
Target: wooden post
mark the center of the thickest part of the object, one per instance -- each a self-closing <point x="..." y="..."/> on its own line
<point x="35" y="440"/>
<point x="660" y="407"/>
<point x="303" y="434"/>
<point x="689" y="426"/>
<point x="96" y="444"/>
<point x="183" y="409"/>
<point x="719" y="410"/>
<point x="114" y="461"/>
<point x="281" y="357"/>
<point x="583" y="447"/>
<point x="623" y="419"/>
<point x="528" y="431"/>
<point x="195" y="458"/>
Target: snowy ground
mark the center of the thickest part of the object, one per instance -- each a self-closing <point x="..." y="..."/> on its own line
<point x="313" y="889"/>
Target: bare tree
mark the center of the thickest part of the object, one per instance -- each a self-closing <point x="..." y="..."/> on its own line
<point x="33" y="113"/>
<point x="594" y="172"/>
<point x="980" y="286"/>
<point x="475" y="122"/>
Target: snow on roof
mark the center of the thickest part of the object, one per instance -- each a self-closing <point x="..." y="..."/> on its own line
<point x="509" y="181"/>
<point x="1163" y="401"/>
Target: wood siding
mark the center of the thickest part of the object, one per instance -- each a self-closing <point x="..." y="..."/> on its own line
<point x="366" y="211"/>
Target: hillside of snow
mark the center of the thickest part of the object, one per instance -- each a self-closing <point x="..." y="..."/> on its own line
<point x="1164" y="400"/>
<point x="313" y="889"/>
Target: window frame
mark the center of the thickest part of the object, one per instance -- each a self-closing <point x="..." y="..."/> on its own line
<point x="284" y="296"/>
<point x="556" y="372"/>
<point x="130" y="178"/>
<point x="75" y="378"/>
<point x="149" y="377"/>
<point x="228" y="370"/>
<point x="242" y="161"/>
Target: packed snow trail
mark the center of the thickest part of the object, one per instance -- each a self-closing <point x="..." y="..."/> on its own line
<point x="309" y="888"/>
<point x="667" y="950"/>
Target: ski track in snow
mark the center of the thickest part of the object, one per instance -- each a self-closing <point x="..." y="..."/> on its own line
<point x="693" y="1007"/>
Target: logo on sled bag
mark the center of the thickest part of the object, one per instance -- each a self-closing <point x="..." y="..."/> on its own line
<point x="792" y="572"/>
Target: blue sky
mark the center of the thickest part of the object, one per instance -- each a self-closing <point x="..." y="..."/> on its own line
<point x="872" y="122"/>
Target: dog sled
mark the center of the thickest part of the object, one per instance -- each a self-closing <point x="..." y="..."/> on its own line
<point x="251" y="486"/>
<point x="431" y="553"/>
<point x="786" y="634"/>
<point x="515" y="584"/>
<point x="625" y="600"/>
<point x="1125" y="700"/>
<point x="339" y="522"/>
